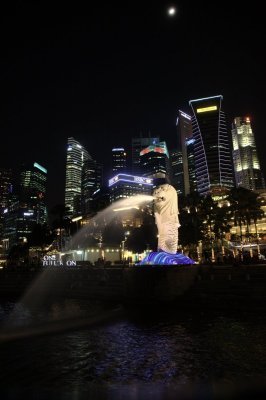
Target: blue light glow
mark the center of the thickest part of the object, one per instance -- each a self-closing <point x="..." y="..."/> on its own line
<point x="163" y="258"/>
<point x="130" y="178"/>
<point x="206" y="98"/>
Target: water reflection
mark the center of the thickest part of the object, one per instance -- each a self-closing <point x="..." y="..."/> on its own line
<point x="141" y="351"/>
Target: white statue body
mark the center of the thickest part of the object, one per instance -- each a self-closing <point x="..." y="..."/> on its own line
<point x="166" y="217"/>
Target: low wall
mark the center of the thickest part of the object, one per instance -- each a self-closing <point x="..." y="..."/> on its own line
<point x="192" y="284"/>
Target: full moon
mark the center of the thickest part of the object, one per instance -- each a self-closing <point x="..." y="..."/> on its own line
<point x="171" y="11"/>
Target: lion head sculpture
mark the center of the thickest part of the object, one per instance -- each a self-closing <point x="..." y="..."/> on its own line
<point x="166" y="202"/>
<point x="166" y="217"/>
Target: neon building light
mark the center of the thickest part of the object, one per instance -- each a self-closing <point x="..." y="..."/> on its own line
<point x="212" y="151"/>
<point x="131" y="178"/>
<point x="245" y="156"/>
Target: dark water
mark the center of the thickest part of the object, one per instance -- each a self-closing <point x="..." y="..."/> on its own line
<point x="164" y="353"/>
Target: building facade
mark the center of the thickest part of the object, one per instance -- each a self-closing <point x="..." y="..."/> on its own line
<point x="6" y="190"/>
<point x="155" y="162"/>
<point x="212" y="145"/>
<point x="125" y="186"/>
<point x="28" y="208"/>
<point x="180" y="164"/>
<point x="77" y="155"/>
<point x="245" y="157"/>
<point x="91" y="181"/>
<point x="119" y="160"/>
<point x="138" y="144"/>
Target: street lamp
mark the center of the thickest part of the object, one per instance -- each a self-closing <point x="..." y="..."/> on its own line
<point x="126" y="234"/>
<point x="76" y="219"/>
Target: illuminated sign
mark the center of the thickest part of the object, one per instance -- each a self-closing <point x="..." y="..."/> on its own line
<point x="206" y="109"/>
<point x="159" y="148"/>
<point x="185" y="115"/>
<point x="40" y="167"/>
<point x="51" y="261"/>
<point x="206" y="98"/>
<point x="130" y="178"/>
<point x="76" y="219"/>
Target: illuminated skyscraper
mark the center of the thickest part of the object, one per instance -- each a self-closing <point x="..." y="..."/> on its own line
<point x="191" y="166"/>
<point x="91" y="181"/>
<point x="33" y="181"/>
<point x="212" y="145"/>
<point x="181" y="179"/>
<point x="6" y="189"/>
<point x="119" y="160"/>
<point x="177" y="170"/>
<point x="155" y="163"/>
<point x="245" y="157"/>
<point x="29" y="209"/>
<point x="123" y="186"/>
<point x="138" y="144"/>
<point x="76" y="157"/>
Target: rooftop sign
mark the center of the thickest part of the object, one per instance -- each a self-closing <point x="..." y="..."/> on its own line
<point x="130" y="178"/>
<point x="206" y="109"/>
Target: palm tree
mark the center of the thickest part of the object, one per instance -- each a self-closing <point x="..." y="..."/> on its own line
<point x="245" y="208"/>
<point x="190" y="216"/>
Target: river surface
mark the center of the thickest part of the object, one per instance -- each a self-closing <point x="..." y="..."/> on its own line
<point x="138" y="354"/>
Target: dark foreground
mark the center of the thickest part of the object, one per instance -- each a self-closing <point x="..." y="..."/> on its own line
<point x="152" y="333"/>
<point x="189" y="285"/>
<point x="152" y="353"/>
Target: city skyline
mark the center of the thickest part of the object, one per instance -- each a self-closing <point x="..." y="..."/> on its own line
<point x="103" y="74"/>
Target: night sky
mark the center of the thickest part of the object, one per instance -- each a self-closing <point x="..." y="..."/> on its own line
<point x="103" y="72"/>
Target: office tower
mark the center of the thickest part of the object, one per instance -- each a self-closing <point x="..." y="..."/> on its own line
<point x="91" y="181"/>
<point x="138" y="144"/>
<point x="155" y="163"/>
<point x="191" y="166"/>
<point x="245" y="157"/>
<point x="177" y="170"/>
<point x="179" y="156"/>
<point x="119" y="160"/>
<point x="29" y="209"/>
<point x="184" y="133"/>
<point x="6" y="189"/>
<point x="76" y="157"/>
<point x="32" y="196"/>
<point x="123" y="186"/>
<point x="6" y="186"/>
<point x="212" y="146"/>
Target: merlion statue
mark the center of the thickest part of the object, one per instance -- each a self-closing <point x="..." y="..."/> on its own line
<point x="166" y="217"/>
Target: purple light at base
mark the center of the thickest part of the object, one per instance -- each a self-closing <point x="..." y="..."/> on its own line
<point x="163" y="258"/>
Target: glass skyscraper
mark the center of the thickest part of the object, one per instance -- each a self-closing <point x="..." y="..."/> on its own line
<point x="212" y="145"/>
<point x="245" y="157"/>
<point x="138" y="144"/>
<point x="181" y="169"/>
<point x="119" y="160"/>
<point x="29" y="209"/>
<point x="6" y="189"/>
<point x="91" y="181"/>
<point x="76" y="157"/>
<point x="155" y="162"/>
<point x="33" y="181"/>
